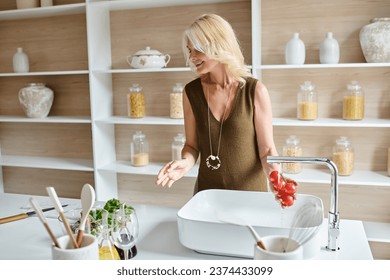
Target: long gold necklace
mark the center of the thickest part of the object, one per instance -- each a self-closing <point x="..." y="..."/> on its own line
<point x="213" y="162"/>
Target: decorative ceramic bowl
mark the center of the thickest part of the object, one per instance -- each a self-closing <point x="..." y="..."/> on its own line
<point x="148" y="58"/>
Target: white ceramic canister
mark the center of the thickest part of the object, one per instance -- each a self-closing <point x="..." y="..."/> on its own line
<point x="329" y="50"/>
<point x="295" y="50"/>
<point x="36" y="100"/>
<point x="278" y="248"/>
<point x="27" y="4"/>
<point x="20" y="61"/>
<point x="375" y="40"/>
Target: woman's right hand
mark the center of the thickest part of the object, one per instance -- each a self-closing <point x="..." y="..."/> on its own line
<point x="172" y="172"/>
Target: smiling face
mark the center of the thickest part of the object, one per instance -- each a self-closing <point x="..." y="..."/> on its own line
<point x="200" y="61"/>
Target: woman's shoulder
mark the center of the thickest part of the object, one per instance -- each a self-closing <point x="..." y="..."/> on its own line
<point x="251" y="80"/>
<point x="193" y="84"/>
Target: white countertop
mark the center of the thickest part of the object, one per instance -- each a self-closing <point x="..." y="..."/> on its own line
<point x="27" y="239"/>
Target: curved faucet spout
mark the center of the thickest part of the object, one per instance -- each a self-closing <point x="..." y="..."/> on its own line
<point x="333" y="216"/>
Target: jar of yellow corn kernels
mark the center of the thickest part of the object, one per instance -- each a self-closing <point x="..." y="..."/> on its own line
<point x="343" y="156"/>
<point x="307" y="103"/>
<point x="136" y="102"/>
<point x="292" y="149"/>
<point x="353" y="102"/>
<point x="176" y="102"/>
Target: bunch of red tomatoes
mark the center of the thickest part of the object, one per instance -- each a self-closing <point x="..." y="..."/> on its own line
<point x="283" y="188"/>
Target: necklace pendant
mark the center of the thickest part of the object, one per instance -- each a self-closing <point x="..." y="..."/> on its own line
<point x="213" y="162"/>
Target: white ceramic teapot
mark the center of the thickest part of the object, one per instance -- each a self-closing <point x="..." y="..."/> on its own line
<point x="148" y="58"/>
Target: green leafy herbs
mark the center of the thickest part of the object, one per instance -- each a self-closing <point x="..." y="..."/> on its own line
<point x="110" y="206"/>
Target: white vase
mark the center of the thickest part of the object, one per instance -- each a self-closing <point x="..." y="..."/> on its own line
<point x="20" y="61"/>
<point x="295" y="50"/>
<point x="375" y="40"/>
<point x="27" y="4"/>
<point x="36" y="100"/>
<point x="329" y="50"/>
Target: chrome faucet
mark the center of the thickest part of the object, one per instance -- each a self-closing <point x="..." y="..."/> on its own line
<point x="333" y="215"/>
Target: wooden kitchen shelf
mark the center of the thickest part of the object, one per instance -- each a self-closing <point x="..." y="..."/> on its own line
<point x="322" y="66"/>
<point x="46" y="73"/>
<point x="332" y="122"/>
<point x="321" y="122"/>
<point x="143" y="121"/>
<point x="151" y="169"/>
<point x="151" y="70"/>
<point x="47" y="163"/>
<point x="41" y="12"/>
<point x="49" y="119"/>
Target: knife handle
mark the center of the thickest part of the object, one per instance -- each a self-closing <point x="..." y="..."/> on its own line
<point x="13" y="218"/>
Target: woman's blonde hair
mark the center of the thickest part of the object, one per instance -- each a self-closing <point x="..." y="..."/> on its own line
<point x="214" y="36"/>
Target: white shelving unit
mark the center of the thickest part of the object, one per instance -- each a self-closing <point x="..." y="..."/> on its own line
<point x="104" y="120"/>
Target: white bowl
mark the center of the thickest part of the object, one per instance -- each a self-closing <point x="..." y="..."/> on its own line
<point x="278" y="248"/>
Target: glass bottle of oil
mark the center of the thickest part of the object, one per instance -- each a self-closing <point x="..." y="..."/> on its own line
<point x="292" y="149"/>
<point x="307" y="102"/>
<point x="343" y="156"/>
<point x="107" y="250"/>
<point x="353" y="102"/>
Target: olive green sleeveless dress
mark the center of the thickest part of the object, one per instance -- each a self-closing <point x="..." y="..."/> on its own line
<point x="241" y="168"/>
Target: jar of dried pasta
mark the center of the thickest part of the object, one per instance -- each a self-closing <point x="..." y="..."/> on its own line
<point x="307" y="102"/>
<point x="136" y="102"/>
<point x="292" y="149"/>
<point x="139" y="150"/>
<point x="343" y="156"/>
<point x="176" y="102"/>
<point x="353" y="102"/>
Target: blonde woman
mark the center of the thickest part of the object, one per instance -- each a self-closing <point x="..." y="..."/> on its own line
<point x="227" y="114"/>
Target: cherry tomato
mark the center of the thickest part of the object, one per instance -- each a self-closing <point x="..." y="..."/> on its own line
<point x="290" y="188"/>
<point x="278" y="187"/>
<point x="287" y="200"/>
<point x="274" y="177"/>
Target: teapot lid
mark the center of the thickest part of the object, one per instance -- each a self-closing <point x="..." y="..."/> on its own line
<point x="148" y="51"/>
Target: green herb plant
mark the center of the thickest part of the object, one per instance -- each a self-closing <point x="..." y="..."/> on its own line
<point x="110" y="206"/>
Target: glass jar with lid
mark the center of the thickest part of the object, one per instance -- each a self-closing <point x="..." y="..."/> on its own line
<point x="176" y="102"/>
<point x="343" y="156"/>
<point x="139" y="152"/>
<point x="353" y="102"/>
<point x="177" y="145"/>
<point x="307" y="102"/>
<point x="136" y="102"/>
<point x="292" y="149"/>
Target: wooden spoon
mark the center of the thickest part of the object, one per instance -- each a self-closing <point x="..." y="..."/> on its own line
<point x="87" y="201"/>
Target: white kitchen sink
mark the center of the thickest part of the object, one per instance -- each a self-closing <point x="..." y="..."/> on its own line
<point x="201" y="230"/>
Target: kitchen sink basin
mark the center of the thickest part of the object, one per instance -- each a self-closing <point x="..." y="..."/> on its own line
<point x="201" y="230"/>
